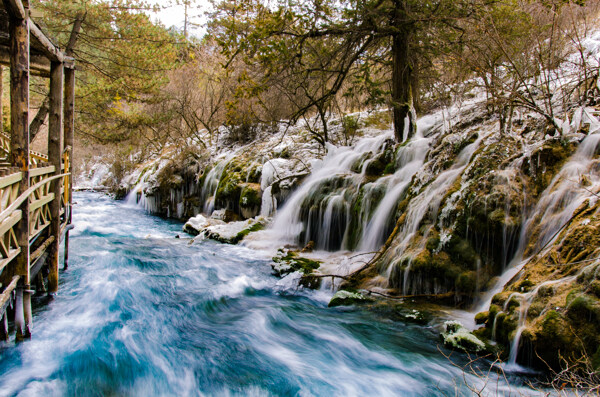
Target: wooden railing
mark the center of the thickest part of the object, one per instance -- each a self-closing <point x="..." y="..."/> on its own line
<point x="40" y="195"/>
<point x="35" y="158"/>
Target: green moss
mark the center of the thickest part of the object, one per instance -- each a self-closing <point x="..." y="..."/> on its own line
<point x="466" y="282"/>
<point x="462" y="252"/>
<point x="390" y="168"/>
<point x="229" y="189"/>
<point x="585" y="307"/>
<point x="289" y="262"/>
<point x="375" y="168"/>
<point x="595" y="359"/>
<point x="595" y="288"/>
<point x="432" y="243"/>
<point x="250" y="197"/>
<point x="524" y="285"/>
<point x="254" y="228"/>
<point x="482" y="317"/>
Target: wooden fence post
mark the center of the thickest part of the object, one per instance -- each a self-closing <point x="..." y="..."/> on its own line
<point x="55" y="126"/>
<point x="69" y="132"/>
<point x="19" y="157"/>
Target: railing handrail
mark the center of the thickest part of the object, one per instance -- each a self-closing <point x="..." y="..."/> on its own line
<point x="25" y="195"/>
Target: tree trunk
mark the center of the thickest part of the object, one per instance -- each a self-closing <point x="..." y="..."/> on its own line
<point x="402" y="78"/>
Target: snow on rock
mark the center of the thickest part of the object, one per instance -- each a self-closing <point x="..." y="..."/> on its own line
<point x="228" y="233"/>
<point x="198" y="223"/>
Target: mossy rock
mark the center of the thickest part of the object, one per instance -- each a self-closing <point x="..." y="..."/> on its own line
<point x="482" y="317"/>
<point x="466" y="283"/>
<point x="375" y="168"/>
<point x="585" y="308"/>
<point x="250" y="200"/>
<point x="310" y="281"/>
<point x="254" y="228"/>
<point x="524" y="286"/>
<point x="120" y="192"/>
<point x="286" y="262"/>
<point x="595" y="288"/>
<point x="347" y="298"/>
<point x="432" y="243"/>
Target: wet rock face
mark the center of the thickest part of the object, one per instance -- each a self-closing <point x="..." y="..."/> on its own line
<point x="555" y="301"/>
<point x="545" y="162"/>
<point x="462" y="243"/>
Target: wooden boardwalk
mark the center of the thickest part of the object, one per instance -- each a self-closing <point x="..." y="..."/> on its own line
<point x="35" y="188"/>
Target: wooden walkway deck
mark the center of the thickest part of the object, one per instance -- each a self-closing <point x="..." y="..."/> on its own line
<point x="35" y="188"/>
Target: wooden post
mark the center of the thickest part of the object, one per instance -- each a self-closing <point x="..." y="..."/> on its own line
<point x="1" y="94"/>
<point x="55" y="126"/>
<point x="69" y="131"/>
<point x="19" y="157"/>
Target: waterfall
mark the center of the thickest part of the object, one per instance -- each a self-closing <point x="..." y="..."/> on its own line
<point x="211" y="184"/>
<point x="410" y="160"/>
<point x="137" y="195"/>
<point x="428" y="201"/>
<point x="553" y="210"/>
<point x="343" y="204"/>
<point x="338" y="163"/>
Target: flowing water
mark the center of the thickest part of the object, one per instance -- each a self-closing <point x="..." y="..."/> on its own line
<point x="142" y="313"/>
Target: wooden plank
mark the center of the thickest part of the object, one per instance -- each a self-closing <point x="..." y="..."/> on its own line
<point x="9" y="222"/>
<point x="35" y="204"/>
<point x="41" y="171"/>
<point x="36" y="232"/>
<point x="38" y="65"/>
<point x="13" y="254"/>
<point x="10" y="180"/>
<point x="40" y="251"/>
<point x="48" y="48"/>
<point x="69" y="133"/>
<point x="24" y="197"/>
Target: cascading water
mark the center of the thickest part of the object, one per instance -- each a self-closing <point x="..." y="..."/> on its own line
<point x="574" y="184"/>
<point x="211" y="183"/>
<point x="338" y="163"/>
<point x="337" y="206"/>
<point x="554" y="208"/>
<point x="428" y="202"/>
<point x="409" y="160"/>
